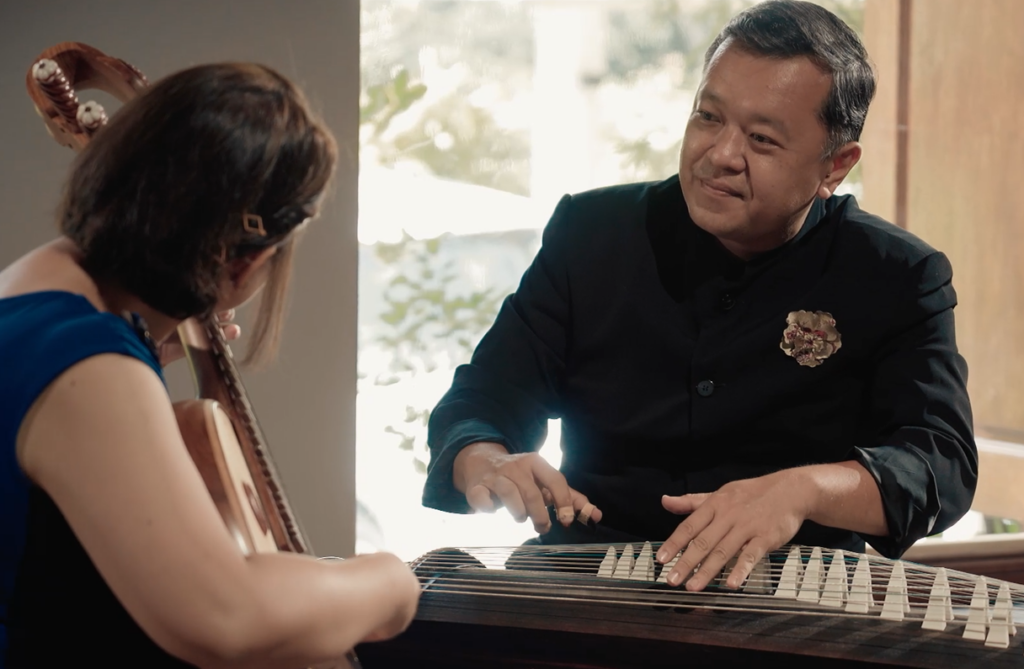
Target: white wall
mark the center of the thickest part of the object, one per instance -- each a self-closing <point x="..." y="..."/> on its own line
<point x="306" y="401"/>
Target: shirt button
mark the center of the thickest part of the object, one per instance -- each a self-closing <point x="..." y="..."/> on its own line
<point x="705" y="388"/>
<point x="726" y="301"/>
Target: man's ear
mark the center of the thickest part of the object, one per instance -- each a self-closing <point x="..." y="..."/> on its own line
<point x="839" y="165"/>
<point x="243" y="269"/>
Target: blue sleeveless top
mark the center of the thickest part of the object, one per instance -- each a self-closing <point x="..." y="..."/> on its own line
<point x="43" y="334"/>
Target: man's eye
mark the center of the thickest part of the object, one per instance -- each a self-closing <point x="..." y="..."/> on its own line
<point x="705" y="116"/>
<point x="761" y="139"/>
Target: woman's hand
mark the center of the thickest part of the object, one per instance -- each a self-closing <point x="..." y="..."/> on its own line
<point x="171" y="349"/>
<point x="402" y="587"/>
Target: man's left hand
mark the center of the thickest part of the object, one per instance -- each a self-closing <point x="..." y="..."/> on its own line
<point x="749" y="517"/>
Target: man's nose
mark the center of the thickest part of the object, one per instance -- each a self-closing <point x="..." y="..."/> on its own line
<point x="727" y="153"/>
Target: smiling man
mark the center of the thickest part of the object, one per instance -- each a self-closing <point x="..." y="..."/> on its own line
<point x="740" y="358"/>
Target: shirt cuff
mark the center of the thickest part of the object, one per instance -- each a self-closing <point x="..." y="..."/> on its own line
<point x="905" y="500"/>
<point x="439" y="490"/>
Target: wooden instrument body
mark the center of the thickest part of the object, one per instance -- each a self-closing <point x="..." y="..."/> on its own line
<point x="213" y="446"/>
<point x="227" y="445"/>
<point x="539" y="640"/>
<point x="473" y="616"/>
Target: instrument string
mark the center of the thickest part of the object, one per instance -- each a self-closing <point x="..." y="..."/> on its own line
<point x="948" y="643"/>
<point x="571" y="564"/>
<point x="586" y="555"/>
<point x="664" y="596"/>
<point x="662" y="603"/>
<point x="493" y="579"/>
<point x="513" y="583"/>
<point x="915" y="582"/>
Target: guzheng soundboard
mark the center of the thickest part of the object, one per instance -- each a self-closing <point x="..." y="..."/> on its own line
<point x="601" y="606"/>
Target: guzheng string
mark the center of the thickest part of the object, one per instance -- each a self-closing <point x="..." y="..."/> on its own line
<point x="798" y="582"/>
<point x="570" y="573"/>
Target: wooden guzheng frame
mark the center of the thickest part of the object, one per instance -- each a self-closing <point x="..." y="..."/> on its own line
<point x="601" y="606"/>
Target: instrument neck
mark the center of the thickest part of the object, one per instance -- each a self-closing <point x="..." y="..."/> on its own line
<point x="217" y="378"/>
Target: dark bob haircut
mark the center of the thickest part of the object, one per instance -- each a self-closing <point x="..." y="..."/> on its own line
<point x="156" y="201"/>
<point x="789" y="29"/>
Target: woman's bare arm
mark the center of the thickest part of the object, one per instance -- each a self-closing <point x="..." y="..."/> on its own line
<point x="102" y="441"/>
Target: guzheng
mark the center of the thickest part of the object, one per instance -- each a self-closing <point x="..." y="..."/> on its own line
<point x="604" y="606"/>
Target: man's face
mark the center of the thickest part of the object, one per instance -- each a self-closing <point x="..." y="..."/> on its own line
<point x="751" y="160"/>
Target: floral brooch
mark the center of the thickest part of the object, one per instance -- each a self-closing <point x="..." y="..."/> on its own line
<point x="810" y="337"/>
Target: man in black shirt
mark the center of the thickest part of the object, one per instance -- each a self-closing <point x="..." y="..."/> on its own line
<point x="735" y="345"/>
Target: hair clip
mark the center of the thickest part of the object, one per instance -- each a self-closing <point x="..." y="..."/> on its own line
<point x="253" y="223"/>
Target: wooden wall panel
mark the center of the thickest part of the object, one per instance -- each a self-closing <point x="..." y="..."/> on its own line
<point x="878" y="163"/>
<point x="965" y="193"/>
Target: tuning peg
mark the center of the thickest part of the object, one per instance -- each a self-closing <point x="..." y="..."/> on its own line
<point x="91" y="116"/>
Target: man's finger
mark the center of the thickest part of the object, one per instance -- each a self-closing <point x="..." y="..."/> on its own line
<point x="532" y="499"/>
<point x="585" y="511"/>
<point x="697" y="549"/>
<point x="536" y="508"/>
<point x="711" y="565"/>
<point x="684" y="504"/>
<point x="686" y="532"/>
<point x="745" y="563"/>
<point x="561" y="495"/>
<point x="508" y="493"/>
<point x="480" y="498"/>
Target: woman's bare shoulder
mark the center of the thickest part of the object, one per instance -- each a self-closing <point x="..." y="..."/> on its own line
<point x="89" y="402"/>
<point x="52" y="266"/>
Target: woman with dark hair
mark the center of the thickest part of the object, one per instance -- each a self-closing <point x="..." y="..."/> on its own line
<point x="188" y="203"/>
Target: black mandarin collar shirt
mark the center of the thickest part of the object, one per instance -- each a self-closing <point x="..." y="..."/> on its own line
<point x="661" y="354"/>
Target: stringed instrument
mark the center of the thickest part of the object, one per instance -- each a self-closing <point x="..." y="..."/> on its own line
<point x="609" y="607"/>
<point x="219" y="427"/>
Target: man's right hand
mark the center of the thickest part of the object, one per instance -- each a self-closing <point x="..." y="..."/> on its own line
<point x="524" y="483"/>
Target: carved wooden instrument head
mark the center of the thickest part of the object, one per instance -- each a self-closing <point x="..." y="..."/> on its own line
<point x="60" y="73"/>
